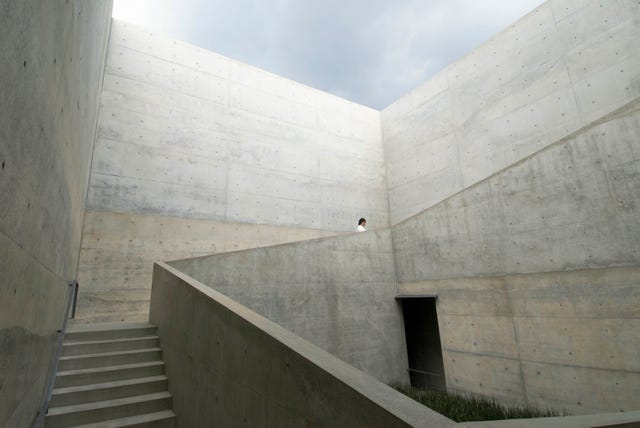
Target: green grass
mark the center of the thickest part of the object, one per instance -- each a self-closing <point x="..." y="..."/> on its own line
<point x="467" y="408"/>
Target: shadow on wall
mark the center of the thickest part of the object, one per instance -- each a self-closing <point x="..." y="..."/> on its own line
<point x="53" y="55"/>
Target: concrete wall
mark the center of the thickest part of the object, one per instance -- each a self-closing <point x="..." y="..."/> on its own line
<point x="50" y="75"/>
<point x="230" y="365"/>
<point x="537" y="271"/>
<point x="189" y="133"/>
<point x="186" y="133"/>
<point x="337" y="292"/>
<point x="513" y="186"/>
<point x="119" y="249"/>
<point x="553" y="72"/>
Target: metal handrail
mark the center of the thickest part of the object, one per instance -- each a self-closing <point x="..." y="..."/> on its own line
<point x="428" y="383"/>
<point x="75" y="299"/>
<point x="69" y="313"/>
<point x="423" y="372"/>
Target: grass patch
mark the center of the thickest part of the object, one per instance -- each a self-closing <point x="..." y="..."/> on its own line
<point x="467" y="408"/>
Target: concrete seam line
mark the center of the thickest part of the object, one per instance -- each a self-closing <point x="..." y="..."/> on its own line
<point x="629" y="107"/>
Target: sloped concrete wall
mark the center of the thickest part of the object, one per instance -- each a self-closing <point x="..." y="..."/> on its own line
<point x="186" y="133"/>
<point x="336" y="292"/>
<point x="53" y="56"/>
<point x="230" y="365"/>
<point x="537" y="272"/>
<point x="556" y="70"/>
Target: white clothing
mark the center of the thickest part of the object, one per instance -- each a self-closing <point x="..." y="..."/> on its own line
<point x="360" y="228"/>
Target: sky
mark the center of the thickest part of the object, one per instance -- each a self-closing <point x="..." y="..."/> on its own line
<point x="371" y="52"/>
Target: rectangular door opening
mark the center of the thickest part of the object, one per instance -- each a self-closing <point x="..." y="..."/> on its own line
<point x="426" y="368"/>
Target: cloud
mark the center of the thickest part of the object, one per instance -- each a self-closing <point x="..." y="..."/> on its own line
<point x="368" y="51"/>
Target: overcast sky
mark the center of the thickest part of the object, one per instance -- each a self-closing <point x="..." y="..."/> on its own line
<point x="368" y="51"/>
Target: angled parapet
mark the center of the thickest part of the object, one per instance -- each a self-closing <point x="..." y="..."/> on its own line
<point x="230" y="366"/>
<point x="336" y="292"/>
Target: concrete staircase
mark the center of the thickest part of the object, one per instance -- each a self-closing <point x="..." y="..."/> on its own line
<point x="110" y="375"/>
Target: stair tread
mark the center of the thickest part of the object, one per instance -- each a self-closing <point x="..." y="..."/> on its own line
<point x="62" y="410"/>
<point x="124" y="422"/>
<point x="110" y="368"/>
<point x="112" y="326"/>
<point x="112" y="384"/>
<point x="109" y="354"/>
<point x="104" y="341"/>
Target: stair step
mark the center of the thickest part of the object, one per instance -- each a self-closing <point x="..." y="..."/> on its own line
<point x="108" y="374"/>
<point x="101" y="411"/>
<point x="163" y="419"/>
<point x="102" y="359"/>
<point x="107" y="331"/>
<point x="75" y="347"/>
<point x="107" y="390"/>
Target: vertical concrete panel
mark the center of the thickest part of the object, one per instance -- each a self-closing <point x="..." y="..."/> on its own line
<point x="485" y="375"/>
<point x="562" y="340"/>
<point x="186" y="133"/>
<point x="581" y="390"/>
<point x="562" y="67"/>
<point x="226" y="141"/>
<point x="569" y="207"/>
<point x="569" y="211"/>
<point x="118" y="251"/>
<point x="50" y="77"/>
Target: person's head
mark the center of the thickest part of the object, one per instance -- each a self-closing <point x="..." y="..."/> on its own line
<point x="362" y="222"/>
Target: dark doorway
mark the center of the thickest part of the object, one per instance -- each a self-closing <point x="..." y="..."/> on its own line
<point x="426" y="369"/>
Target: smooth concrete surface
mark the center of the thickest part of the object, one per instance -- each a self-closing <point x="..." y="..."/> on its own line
<point x="537" y="273"/>
<point x="118" y="251"/>
<point x="188" y="134"/>
<point x="558" y="69"/>
<point x="518" y="163"/>
<point x="562" y="340"/>
<point x="573" y="205"/>
<point x="32" y="299"/>
<point x="230" y="366"/>
<point x="53" y="56"/>
<point x="601" y="420"/>
<point x="513" y="181"/>
<point x="336" y="292"/>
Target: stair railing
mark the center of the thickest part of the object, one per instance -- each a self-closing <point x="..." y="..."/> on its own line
<point x="69" y="313"/>
<point x="427" y="375"/>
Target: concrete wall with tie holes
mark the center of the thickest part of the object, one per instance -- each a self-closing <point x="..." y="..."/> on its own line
<point x="513" y="178"/>
<point x="514" y="181"/>
<point x="553" y="72"/>
<point x="338" y="293"/>
<point x="197" y="153"/>
<point x="52" y="57"/>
